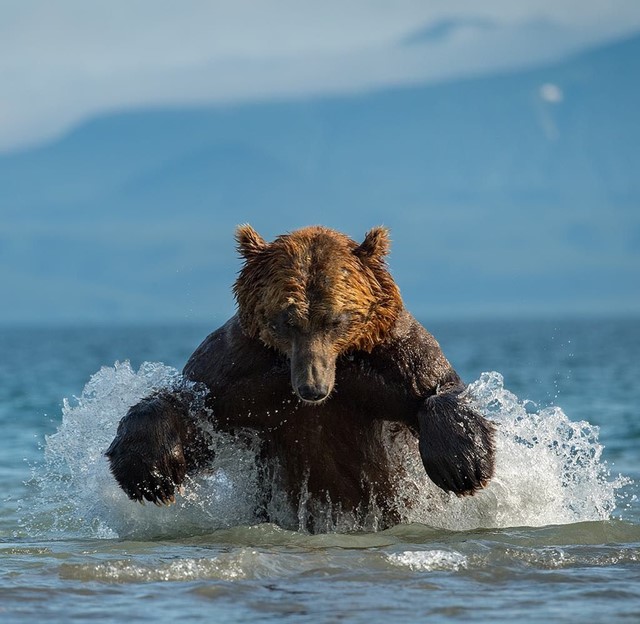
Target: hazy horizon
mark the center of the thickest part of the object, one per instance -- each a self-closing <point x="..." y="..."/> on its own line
<point x="500" y="144"/>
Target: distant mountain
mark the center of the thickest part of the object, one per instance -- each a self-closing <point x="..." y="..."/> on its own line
<point x="513" y="192"/>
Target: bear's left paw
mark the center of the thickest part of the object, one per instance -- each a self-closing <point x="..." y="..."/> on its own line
<point x="456" y="444"/>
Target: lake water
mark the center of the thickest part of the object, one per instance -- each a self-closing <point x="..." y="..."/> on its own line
<point x="555" y="537"/>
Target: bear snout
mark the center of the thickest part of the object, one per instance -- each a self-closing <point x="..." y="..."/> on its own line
<point x="312" y="394"/>
<point x="313" y="369"/>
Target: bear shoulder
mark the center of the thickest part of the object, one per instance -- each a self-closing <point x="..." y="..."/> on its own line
<point x="417" y="356"/>
<point x="227" y="355"/>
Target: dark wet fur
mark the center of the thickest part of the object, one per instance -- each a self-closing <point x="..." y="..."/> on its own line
<point x="341" y="335"/>
<point x="156" y="445"/>
<point x="456" y="444"/>
<point x="336" y="446"/>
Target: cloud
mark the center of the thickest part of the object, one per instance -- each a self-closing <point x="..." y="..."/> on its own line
<point x="63" y="62"/>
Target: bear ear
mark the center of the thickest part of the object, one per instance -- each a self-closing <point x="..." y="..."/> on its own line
<point x="376" y="244"/>
<point x="250" y="243"/>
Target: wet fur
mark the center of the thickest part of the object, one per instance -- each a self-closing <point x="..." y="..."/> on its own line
<point x="315" y="309"/>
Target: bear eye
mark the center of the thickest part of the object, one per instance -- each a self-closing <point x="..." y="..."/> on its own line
<point x="283" y="322"/>
<point x="339" y="321"/>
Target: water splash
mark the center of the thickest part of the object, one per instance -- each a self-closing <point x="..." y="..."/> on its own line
<point x="549" y="471"/>
<point x="77" y="495"/>
<point x="429" y="560"/>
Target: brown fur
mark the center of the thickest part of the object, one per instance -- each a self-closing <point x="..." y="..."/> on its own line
<point x="324" y="363"/>
<point x="318" y="274"/>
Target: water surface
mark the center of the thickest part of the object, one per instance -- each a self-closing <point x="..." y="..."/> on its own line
<point x="556" y="537"/>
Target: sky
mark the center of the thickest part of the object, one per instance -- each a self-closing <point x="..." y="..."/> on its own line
<point x="66" y="61"/>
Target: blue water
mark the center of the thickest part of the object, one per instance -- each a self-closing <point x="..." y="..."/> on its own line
<point x="556" y="537"/>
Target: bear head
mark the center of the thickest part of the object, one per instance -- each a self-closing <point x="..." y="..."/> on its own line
<point x="314" y="295"/>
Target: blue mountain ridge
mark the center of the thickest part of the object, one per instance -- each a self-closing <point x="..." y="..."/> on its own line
<point x="497" y="196"/>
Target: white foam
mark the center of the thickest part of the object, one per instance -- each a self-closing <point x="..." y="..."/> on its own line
<point x="79" y="494"/>
<point x="549" y="471"/>
<point x="429" y="560"/>
<point x="242" y="563"/>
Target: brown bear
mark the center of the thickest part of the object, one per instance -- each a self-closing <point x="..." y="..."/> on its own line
<point x="323" y="363"/>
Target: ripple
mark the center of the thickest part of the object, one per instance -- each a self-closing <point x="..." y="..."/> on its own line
<point x="429" y="560"/>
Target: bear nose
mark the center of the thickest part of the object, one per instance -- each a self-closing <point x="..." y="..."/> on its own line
<point x="312" y="393"/>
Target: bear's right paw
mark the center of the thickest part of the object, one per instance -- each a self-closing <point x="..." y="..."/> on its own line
<point x="144" y="478"/>
<point x="147" y="456"/>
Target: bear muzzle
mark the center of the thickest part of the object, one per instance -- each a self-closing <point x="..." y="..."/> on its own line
<point x="313" y="394"/>
<point x="313" y="370"/>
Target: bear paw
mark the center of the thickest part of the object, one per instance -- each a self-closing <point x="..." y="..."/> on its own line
<point x="456" y="444"/>
<point x="147" y="456"/>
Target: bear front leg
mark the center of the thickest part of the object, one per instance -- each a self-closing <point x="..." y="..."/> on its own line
<point x="155" y="446"/>
<point x="456" y="444"/>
